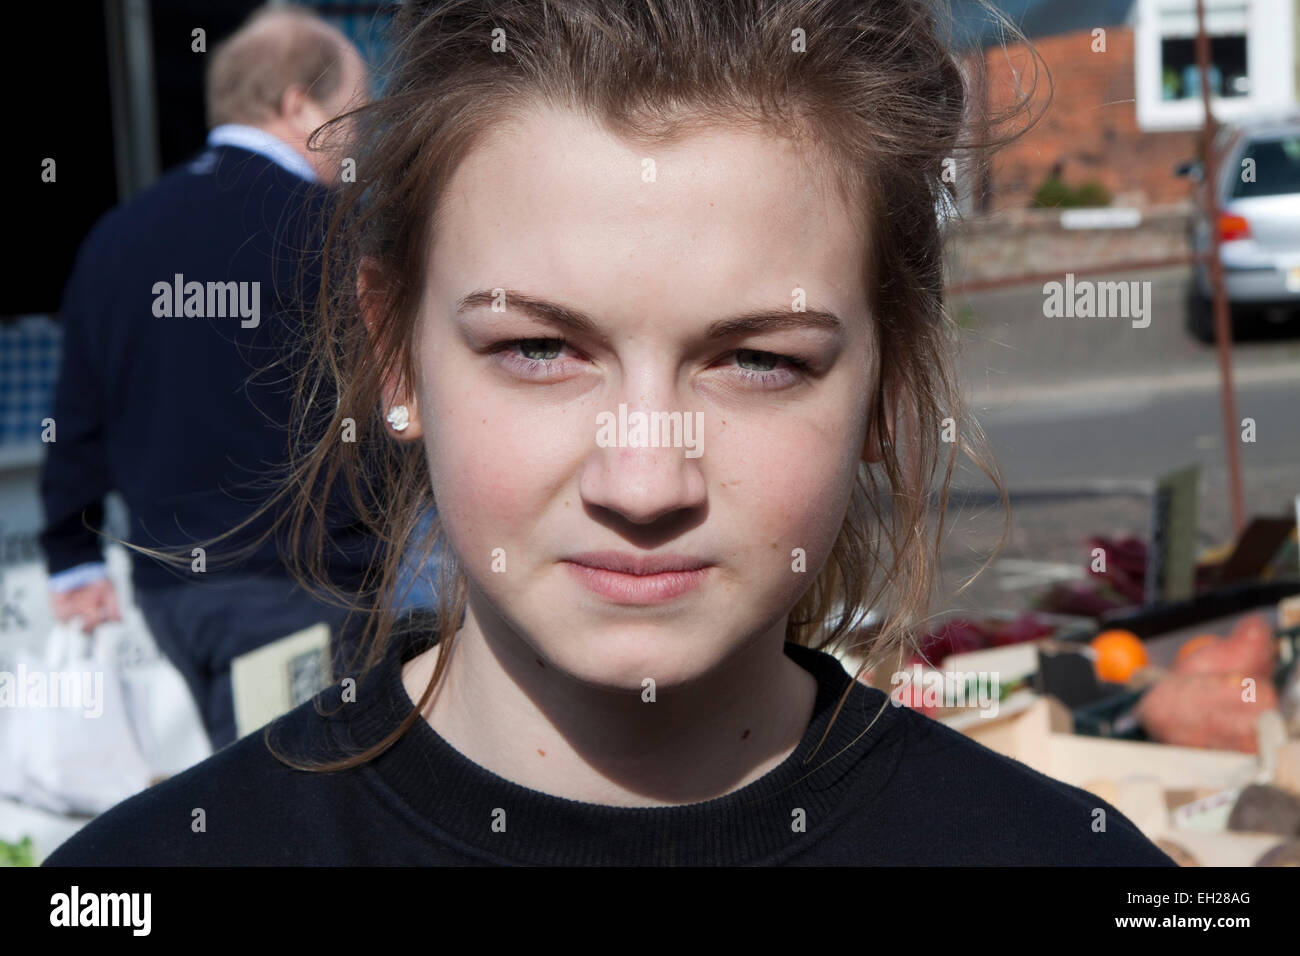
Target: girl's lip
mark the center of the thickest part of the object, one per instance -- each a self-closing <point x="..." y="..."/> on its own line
<point x="624" y="588"/>
<point x="641" y="564"/>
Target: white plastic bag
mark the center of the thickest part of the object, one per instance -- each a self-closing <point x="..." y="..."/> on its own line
<point x="69" y="741"/>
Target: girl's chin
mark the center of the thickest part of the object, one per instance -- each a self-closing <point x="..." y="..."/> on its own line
<point x="626" y="658"/>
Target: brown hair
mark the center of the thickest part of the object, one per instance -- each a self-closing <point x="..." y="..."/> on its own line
<point x="875" y="86"/>
<point x="276" y="48"/>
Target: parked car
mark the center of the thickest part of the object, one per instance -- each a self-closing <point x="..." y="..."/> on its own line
<point x="1258" y="192"/>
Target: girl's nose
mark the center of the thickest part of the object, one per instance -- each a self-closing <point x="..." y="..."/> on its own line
<point x="645" y="464"/>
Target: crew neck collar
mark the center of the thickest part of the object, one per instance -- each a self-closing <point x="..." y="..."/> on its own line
<point x="461" y="800"/>
<point x="264" y="144"/>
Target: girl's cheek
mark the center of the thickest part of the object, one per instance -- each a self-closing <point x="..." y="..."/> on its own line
<point x="492" y="474"/>
<point x="798" y="476"/>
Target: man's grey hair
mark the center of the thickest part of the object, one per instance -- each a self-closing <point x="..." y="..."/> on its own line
<point x="276" y="48"/>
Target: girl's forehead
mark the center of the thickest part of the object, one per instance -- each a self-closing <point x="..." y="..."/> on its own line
<point x="548" y="146"/>
<point x="555" y="195"/>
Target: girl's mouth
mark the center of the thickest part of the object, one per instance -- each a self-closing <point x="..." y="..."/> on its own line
<point x="654" y="586"/>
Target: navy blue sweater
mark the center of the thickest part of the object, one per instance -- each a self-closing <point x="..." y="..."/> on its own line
<point x="911" y="791"/>
<point x="185" y="414"/>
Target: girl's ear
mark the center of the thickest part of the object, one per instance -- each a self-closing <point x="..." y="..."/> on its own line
<point x="400" y="411"/>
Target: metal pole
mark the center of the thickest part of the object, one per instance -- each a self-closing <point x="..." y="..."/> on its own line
<point x="131" y="89"/>
<point x="1222" y="325"/>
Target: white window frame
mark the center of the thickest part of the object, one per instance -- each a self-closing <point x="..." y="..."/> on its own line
<point x="1270" y="55"/>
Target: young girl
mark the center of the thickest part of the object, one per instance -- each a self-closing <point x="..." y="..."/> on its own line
<point x="645" y="298"/>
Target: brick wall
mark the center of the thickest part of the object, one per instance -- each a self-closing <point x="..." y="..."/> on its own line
<point x="1089" y="129"/>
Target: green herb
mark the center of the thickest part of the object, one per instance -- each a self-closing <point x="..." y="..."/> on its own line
<point x="18" y="854"/>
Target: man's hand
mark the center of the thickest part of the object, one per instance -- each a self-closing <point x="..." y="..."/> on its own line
<point x="95" y="603"/>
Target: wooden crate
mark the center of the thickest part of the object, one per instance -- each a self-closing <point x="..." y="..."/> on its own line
<point x="1144" y="781"/>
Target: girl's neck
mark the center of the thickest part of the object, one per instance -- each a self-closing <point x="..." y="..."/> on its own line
<point x="539" y="728"/>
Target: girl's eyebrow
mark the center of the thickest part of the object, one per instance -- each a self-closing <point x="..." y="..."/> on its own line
<point x="746" y="323"/>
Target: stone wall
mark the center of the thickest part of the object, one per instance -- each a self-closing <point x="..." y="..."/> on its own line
<point x="1023" y="242"/>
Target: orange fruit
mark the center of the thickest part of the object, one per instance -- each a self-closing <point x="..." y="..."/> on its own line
<point x="1119" y="654"/>
<point x="1195" y="644"/>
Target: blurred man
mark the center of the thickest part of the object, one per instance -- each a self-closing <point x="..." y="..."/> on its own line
<point x="179" y="302"/>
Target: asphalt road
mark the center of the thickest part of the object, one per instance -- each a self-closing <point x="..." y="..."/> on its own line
<point x="1083" y="413"/>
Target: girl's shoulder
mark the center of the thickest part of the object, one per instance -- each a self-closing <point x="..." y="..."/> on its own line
<point x="961" y="803"/>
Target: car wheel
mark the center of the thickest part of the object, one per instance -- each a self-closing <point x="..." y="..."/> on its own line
<point x="1200" y="316"/>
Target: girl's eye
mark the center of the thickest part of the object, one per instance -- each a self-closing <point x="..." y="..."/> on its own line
<point x="539" y="358"/>
<point x="535" y="358"/>
<point x="541" y="349"/>
<point x="761" y="368"/>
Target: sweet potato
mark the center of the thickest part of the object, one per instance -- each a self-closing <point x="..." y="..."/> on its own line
<point x="1196" y="643"/>
<point x="1265" y="809"/>
<point x="1284" y="854"/>
<point x="1205" y="710"/>
<point x="1248" y="650"/>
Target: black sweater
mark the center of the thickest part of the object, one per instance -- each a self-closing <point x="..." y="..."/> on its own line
<point x="912" y="791"/>
<point x="186" y="415"/>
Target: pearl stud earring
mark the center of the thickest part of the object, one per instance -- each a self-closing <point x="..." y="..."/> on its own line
<point x="399" y="418"/>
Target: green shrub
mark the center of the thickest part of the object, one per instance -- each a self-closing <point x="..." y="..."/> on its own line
<point x="1054" y="193"/>
<point x="1091" y="193"/>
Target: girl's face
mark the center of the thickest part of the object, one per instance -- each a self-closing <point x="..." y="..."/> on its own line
<point x="644" y="260"/>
